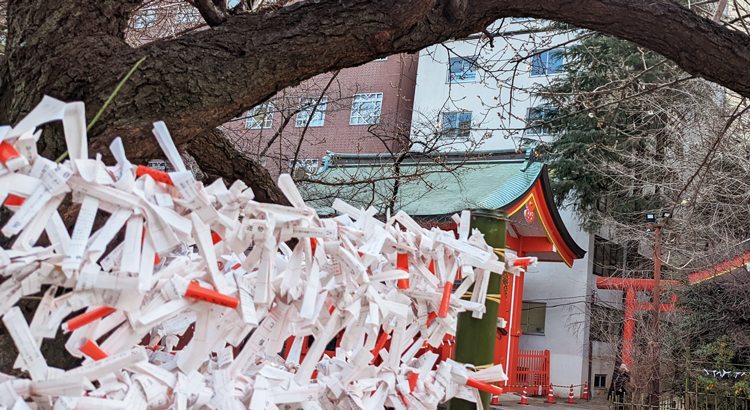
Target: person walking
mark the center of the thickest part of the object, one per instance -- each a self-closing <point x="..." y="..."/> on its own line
<point x="620" y="385"/>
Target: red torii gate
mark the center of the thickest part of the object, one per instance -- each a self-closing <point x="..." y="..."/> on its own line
<point x="720" y="268"/>
<point x="631" y="286"/>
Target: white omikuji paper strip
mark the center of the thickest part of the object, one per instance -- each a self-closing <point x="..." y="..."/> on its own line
<point x="140" y="245"/>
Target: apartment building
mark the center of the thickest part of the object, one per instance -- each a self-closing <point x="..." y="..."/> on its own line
<point x="365" y="109"/>
<point x="478" y="91"/>
<point x="359" y="110"/>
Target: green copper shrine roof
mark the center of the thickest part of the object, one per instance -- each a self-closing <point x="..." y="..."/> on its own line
<point x="488" y="180"/>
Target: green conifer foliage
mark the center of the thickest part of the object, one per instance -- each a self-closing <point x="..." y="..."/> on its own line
<point x="611" y="115"/>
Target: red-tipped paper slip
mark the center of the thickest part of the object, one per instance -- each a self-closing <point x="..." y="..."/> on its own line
<point x="195" y="291"/>
<point x="156" y="256"/>
<point x="10" y="157"/>
<point x="485" y="387"/>
<point x="380" y="344"/>
<point x="93" y="350"/>
<point x="14" y="200"/>
<point x="86" y="318"/>
<point x="413" y="381"/>
<point x="215" y="238"/>
<point x="430" y="318"/>
<point x="402" y="263"/>
<point x="523" y="261"/>
<point x="446" y="300"/>
<point x="158" y="176"/>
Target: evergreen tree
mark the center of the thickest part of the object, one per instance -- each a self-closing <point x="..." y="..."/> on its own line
<point x="612" y="117"/>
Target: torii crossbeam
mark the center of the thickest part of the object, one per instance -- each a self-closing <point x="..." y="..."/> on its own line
<point x="631" y="286"/>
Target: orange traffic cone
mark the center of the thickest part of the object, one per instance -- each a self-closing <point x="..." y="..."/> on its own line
<point x="495" y="401"/>
<point x="550" y="395"/>
<point x="571" y="400"/>
<point x="524" y="399"/>
<point x="585" y="391"/>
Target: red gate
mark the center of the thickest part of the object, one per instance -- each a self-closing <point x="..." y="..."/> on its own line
<point x="532" y="369"/>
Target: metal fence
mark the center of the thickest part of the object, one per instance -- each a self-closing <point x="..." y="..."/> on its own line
<point x="692" y="400"/>
<point x="643" y="402"/>
<point x="707" y="400"/>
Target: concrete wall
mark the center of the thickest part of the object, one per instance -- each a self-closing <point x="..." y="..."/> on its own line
<point x="499" y="103"/>
<point x="565" y="291"/>
<point x="497" y="100"/>
<point x="603" y="363"/>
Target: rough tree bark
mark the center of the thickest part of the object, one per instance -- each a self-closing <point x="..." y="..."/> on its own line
<point x="232" y="165"/>
<point x="75" y="50"/>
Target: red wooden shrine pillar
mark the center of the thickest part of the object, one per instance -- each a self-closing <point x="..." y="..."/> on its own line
<point x="506" y="349"/>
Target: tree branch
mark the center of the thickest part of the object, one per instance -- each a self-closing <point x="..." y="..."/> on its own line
<point x="215" y="13"/>
<point x="317" y="37"/>
<point x="200" y="80"/>
<point x="216" y="155"/>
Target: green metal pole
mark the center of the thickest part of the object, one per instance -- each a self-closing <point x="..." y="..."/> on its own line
<point x="475" y="338"/>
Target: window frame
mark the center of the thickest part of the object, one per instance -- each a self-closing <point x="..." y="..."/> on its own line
<point x="303" y="115"/>
<point x="472" y="64"/>
<point x="145" y="19"/>
<point x="455" y="133"/>
<point x="530" y="129"/>
<point x="376" y="98"/>
<point x="267" y="122"/>
<point x="607" y="257"/>
<point x="600" y="377"/>
<point x="526" y="307"/>
<point x="544" y="66"/>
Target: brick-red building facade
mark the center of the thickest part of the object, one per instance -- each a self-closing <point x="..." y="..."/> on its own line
<point x="274" y="138"/>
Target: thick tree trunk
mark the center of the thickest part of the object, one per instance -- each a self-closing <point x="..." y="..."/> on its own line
<point x="75" y="50"/>
<point x="217" y="155"/>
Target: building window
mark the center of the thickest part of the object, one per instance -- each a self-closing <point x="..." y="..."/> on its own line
<point x="306" y="106"/>
<point x="456" y="125"/>
<point x="145" y="19"/>
<point x="260" y="117"/>
<point x="608" y="257"/>
<point x="462" y="70"/>
<point x="606" y="324"/>
<point x="532" y="318"/>
<point x="187" y="15"/>
<point x="537" y="120"/>
<point x="528" y="143"/>
<point x="548" y="63"/>
<point x="366" y="108"/>
<point x="600" y="380"/>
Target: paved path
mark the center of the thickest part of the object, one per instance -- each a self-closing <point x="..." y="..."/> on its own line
<point x="510" y="401"/>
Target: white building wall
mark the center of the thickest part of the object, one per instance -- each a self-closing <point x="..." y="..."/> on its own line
<point x="603" y="363"/>
<point x="498" y="100"/>
<point x="565" y="291"/>
<point x="497" y="118"/>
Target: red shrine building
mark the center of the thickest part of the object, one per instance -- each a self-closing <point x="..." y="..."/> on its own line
<point x="539" y="306"/>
